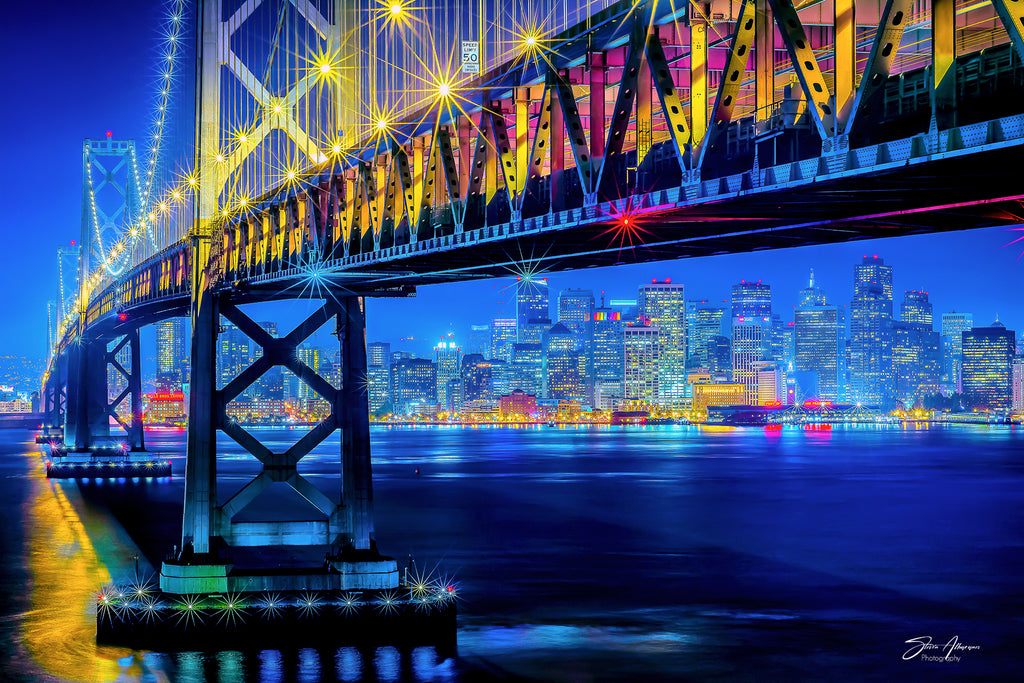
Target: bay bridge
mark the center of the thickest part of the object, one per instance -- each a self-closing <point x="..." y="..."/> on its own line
<point x="345" y="150"/>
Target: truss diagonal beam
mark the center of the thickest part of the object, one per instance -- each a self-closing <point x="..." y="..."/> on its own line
<point x="893" y="21"/>
<point x="805" y="65"/>
<point x="732" y="79"/>
<point x="669" y="97"/>
<point x="1011" y="13"/>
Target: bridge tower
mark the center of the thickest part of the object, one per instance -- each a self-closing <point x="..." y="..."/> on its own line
<point x="210" y="530"/>
<point x="110" y="202"/>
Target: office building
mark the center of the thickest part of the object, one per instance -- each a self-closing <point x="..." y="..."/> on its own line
<point x="172" y="353"/>
<point x="819" y="345"/>
<point x="503" y="336"/>
<point x="917" y="351"/>
<point x="703" y="322"/>
<point x="414" y="382"/>
<point x="233" y="353"/>
<point x="872" y="375"/>
<point x="531" y="305"/>
<point x="953" y="326"/>
<point x="526" y="372"/>
<point x="642" y="353"/>
<point x="663" y="306"/>
<point x="448" y="358"/>
<point x="565" y="365"/>
<point x="987" y="366"/>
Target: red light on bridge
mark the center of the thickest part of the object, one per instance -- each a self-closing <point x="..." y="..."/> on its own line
<point x="122" y="316"/>
<point x="73" y="243"/>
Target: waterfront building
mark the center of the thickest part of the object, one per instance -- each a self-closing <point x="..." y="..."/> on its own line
<point x="872" y="374"/>
<point x="564" y="364"/>
<point x="517" y="405"/>
<point x="608" y="394"/>
<point x="718" y="394"/>
<point x="642" y="351"/>
<point x="163" y="407"/>
<point x="448" y="357"/>
<point x="663" y="306"/>
<point x="310" y="355"/>
<point x="414" y="384"/>
<point x="503" y="336"/>
<point x="526" y="372"/>
<point x="771" y="383"/>
<point x="987" y="365"/>
<point x="819" y="345"/>
<point x="953" y="326"/>
<point x="576" y="312"/>
<point x="531" y="304"/>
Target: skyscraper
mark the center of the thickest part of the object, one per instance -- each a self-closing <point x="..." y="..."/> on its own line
<point x="531" y="304"/>
<point x="378" y="373"/>
<point x="917" y="350"/>
<point x="479" y="340"/>
<point x="448" y="357"/>
<point x="819" y="341"/>
<point x="663" y="305"/>
<point x="564" y="365"/>
<point x="642" y="354"/>
<point x="414" y="382"/>
<point x="987" y="360"/>
<point x="171" y="353"/>
<point x="233" y="353"/>
<point x="576" y="312"/>
<point x="477" y="379"/>
<point x="872" y="374"/>
<point x="953" y="326"/>
<point x="271" y="384"/>
<point x="751" y="334"/>
<point x="527" y="370"/>
<point x="503" y="336"/>
<point x="703" y="321"/>
<point x="608" y="343"/>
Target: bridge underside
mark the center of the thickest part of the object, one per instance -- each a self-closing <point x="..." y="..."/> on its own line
<point x="905" y="197"/>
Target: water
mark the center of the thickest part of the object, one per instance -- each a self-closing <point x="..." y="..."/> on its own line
<point x="591" y="554"/>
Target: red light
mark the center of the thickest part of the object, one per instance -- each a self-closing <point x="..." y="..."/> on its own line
<point x="653" y="280"/>
<point x="122" y="316"/>
<point x="875" y="256"/>
<point x="72" y="243"/>
<point x="110" y="134"/>
<point x="668" y="281"/>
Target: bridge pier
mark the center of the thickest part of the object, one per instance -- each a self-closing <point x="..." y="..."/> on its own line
<point x="341" y="530"/>
<point x="89" y="450"/>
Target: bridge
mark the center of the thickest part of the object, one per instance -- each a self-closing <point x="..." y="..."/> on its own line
<point x="348" y="151"/>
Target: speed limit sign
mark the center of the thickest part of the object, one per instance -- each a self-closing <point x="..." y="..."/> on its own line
<point x="470" y="57"/>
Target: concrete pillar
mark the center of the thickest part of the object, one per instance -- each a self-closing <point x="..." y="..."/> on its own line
<point x="357" y="485"/>
<point x="201" y="454"/>
<point x="135" y="433"/>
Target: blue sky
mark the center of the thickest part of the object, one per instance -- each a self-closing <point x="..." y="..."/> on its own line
<point x="76" y="70"/>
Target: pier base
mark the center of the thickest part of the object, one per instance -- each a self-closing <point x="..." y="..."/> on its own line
<point x="155" y="620"/>
<point x="103" y="463"/>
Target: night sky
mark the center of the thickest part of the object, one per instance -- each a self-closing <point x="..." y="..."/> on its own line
<point x="74" y="70"/>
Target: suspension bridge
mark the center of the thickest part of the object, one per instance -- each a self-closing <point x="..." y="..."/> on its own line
<point x="349" y="150"/>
